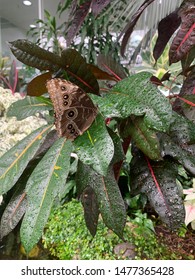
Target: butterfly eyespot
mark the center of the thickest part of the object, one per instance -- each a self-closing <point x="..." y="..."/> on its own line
<point x="65" y="96"/>
<point x="65" y="103"/>
<point x="71" y="114"/>
<point x="72" y="131"/>
<point x="63" y="88"/>
<point x="70" y="126"/>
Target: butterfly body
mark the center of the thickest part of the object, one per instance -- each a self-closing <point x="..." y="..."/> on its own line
<point x="73" y="109"/>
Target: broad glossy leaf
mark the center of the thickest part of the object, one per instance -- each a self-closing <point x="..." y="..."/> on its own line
<point x="110" y="201"/>
<point x="108" y="64"/>
<point x="185" y="37"/>
<point x="91" y="209"/>
<point x="136" y="96"/>
<point x="100" y="74"/>
<point x="166" y="27"/>
<point x="34" y="56"/>
<point x="37" y="86"/>
<point x="13" y="212"/>
<point x="43" y="186"/>
<point x="13" y="163"/>
<point x="29" y="106"/>
<point x="78" y="71"/>
<point x="185" y="154"/>
<point x="146" y="139"/>
<point x="95" y="147"/>
<point x="158" y="181"/>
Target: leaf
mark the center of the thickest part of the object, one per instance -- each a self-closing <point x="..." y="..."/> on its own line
<point x="127" y="31"/>
<point x="13" y="212"/>
<point x="91" y="210"/>
<point x="166" y="28"/>
<point x="28" y="106"/>
<point x="43" y="186"/>
<point x="13" y="163"/>
<point x="158" y="181"/>
<point x="189" y="84"/>
<point x="100" y="74"/>
<point x="34" y="56"/>
<point x="98" y="5"/>
<point x="108" y="64"/>
<point x="79" y="17"/>
<point x="37" y="86"/>
<point x="95" y="147"/>
<point x="13" y="77"/>
<point x="136" y="96"/>
<point x="183" y="155"/>
<point x="185" y="37"/>
<point x="146" y="139"/>
<point x="190" y="211"/>
<point x="78" y="71"/>
<point x="110" y="201"/>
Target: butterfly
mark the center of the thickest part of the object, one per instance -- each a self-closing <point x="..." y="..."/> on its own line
<point x="74" y="111"/>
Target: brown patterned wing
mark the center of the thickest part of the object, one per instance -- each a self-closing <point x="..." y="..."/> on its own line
<point x="73" y="109"/>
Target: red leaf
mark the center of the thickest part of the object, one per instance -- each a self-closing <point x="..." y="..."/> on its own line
<point x="77" y="21"/>
<point x="185" y="37"/>
<point x="108" y="64"/>
<point x="166" y="27"/>
<point x="130" y="26"/>
<point x="98" y="5"/>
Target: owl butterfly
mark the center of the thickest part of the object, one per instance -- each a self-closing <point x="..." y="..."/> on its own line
<point x="73" y="110"/>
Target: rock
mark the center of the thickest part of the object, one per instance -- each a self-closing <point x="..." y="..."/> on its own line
<point x="125" y="250"/>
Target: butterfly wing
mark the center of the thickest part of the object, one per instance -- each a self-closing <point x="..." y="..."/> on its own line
<point x="73" y="109"/>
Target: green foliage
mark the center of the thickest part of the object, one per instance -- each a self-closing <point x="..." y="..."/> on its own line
<point x="66" y="237"/>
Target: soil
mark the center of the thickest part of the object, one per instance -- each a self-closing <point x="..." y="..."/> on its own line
<point x="183" y="247"/>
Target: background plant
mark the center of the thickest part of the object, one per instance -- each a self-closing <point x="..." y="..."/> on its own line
<point x="144" y="120"/>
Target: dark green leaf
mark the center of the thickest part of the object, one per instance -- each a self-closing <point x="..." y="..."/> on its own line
<point x="34" y="56"/>
<point x="13" y="211"/>
<point x="43" y="186"/>
<point x="29" y="106"/>
<point x="110" y="201"/>
<point x="136" y="96"/>
<point x="158" y="181"/>
<point x="13" y="163"/>
<point x="95" y="147"/>
<point x="78" y="71"/>
<point x="146" y="139"/>
<point x="91" y="210"/>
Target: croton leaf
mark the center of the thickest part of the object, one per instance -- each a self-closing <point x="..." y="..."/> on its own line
<point x="34" y="56"/>
<point x="189" y="84"/>
<point x="185" y="37"/>
<point x="136" y="96"/>
<point x="130" y="26"/>
<point x="91" y="209"/>
<point x="166" y="27"/>
<point x="29" y="106"/>
<point x="157" y="180"/>
<point x="70" y="61"/>
<point x="37" y="86"/>
<point x="108" y="64"/>
<point x="185" y="155"/>
<point x="100" y="74"/>
<point x="79" y="17"/>
<point x="78" y="71"/>
<point x="187" y="60"/>
<point x="13" y="163"/>
<point x="146" y="139"/>
<point x="14" y="211"/>
<point x="42" y="187"/>
<point x="110" y="201"/>
<point x="95" y="147"/>
<point x="98" y="5"/>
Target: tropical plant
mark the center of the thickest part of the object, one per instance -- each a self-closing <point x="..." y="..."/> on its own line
<point x="132" y="114"/>
<point x="9" y="78"/>
<point x="189" y="204"/>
